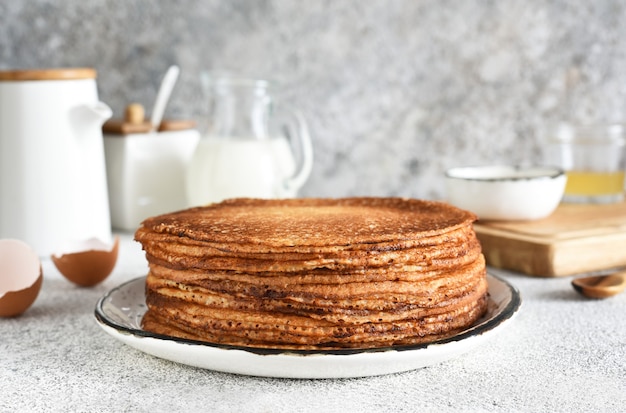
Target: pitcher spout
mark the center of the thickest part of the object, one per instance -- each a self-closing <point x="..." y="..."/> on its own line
<point x="90" y="115"/>
<point x="100" y="111"/>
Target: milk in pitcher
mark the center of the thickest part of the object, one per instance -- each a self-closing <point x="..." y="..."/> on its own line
<point x="240" y="167"/>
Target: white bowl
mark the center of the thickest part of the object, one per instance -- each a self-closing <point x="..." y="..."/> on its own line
<point x="506" y="192"/>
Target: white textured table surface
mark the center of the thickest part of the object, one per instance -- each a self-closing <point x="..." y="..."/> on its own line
<point x="561" y="353"/>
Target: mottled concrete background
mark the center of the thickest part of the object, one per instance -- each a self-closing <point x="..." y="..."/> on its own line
<point x="395" y="91"/>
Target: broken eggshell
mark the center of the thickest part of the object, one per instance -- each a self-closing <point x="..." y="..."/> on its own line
<point x="87" y="263"/>
<point x="20" y="277"/>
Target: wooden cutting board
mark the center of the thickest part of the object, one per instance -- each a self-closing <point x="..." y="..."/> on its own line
<point x="576" y="238"/>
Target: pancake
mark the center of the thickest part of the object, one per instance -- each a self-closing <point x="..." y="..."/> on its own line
<point x="313" y="273"/>
<point x="432" y="257"/>
<point x="262" y="224"/>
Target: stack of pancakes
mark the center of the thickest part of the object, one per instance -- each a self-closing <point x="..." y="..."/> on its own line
<point x="313" y="273"/>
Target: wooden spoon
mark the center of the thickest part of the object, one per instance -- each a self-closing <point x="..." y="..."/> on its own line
<point x="601" y="286"/>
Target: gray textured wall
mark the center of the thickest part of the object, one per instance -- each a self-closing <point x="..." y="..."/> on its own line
<point x="395" y="91"/>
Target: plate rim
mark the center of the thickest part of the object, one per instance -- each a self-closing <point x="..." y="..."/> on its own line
<point x="504" y="314"/>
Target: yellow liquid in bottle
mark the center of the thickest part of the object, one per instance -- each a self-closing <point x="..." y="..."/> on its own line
<point x="587" y="183"/>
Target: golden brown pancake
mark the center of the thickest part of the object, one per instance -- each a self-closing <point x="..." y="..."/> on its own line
<point x="262" y="224"/>
<point x="314" y="273"/>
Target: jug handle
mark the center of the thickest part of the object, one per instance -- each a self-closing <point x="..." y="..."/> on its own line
<point x="298" y="180"/>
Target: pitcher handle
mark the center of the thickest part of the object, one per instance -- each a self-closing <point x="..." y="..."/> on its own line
<point x="295" y="182"/>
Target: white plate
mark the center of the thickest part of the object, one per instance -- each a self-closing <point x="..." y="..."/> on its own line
<point x="119" y="313"/>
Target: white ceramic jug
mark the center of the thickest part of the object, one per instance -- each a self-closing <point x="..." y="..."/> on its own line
<point x="53" y="186"/>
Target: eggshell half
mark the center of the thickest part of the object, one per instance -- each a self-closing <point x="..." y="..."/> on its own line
<point x="89" y="263"/>
<point x="20" y="277"/>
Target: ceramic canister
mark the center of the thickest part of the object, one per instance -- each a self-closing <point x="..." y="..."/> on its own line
<point x="53" y="186"/>
<point x="146" y="168"/>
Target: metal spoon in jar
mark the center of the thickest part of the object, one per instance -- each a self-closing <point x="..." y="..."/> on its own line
<point x="601" y="286"/>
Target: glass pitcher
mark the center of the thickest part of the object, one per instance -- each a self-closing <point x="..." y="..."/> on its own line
<point x="247" y="151"/>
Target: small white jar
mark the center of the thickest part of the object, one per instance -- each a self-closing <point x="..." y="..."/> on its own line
<point x="146" y="170"/>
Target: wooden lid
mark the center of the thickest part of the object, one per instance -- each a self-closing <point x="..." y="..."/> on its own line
<point x="134" y="122"/>
<point x="122" y="127"/>
<point x="48" y="74"/>
<point x="170" y="125"/>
